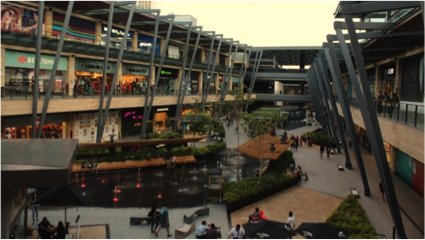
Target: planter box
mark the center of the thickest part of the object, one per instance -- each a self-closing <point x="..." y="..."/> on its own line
<point x="248" y="200"/>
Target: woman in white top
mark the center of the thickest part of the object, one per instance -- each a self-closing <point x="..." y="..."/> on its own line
<point x="236" y="233"/>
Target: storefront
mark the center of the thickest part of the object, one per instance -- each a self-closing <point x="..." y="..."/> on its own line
<point x="117" y="36"/>
<point x="167" y="80"/>
<point x="412" y="85"/>
<point x="235" y="82"/>
<point x="389" y="155"/>
<point x="19" y="71"/>
<point x="85" y="127"/>
<point x="131" y="122"/>
<point x="144" y="43"/>
<point x="411" y="171"/>
<point x="134" y="78"/>
<point x="88" y="75"/>
<point x="194" y="82"/>
<point x="161" y="119"/>
<point x="21" y="127"/>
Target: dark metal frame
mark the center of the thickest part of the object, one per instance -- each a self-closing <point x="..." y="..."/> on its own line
<point x="257" y="63"/>
<point x="370" y="117"/>
<point x="205" y="78"/>
<point x="319" y="106"/>
<point x="55" y="67"/>
<point x="349" y="123"/>
<point x="37" y="69"/>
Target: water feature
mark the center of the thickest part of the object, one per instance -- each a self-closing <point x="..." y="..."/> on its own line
<point x="184" y="186"/>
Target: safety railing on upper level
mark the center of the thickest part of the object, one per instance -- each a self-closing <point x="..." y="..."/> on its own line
<point x="409" y="113"/>
<point x="25" y="93"/>
<point x="284" y="92"/>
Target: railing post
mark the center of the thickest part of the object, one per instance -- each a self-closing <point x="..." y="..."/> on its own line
<point x="416" y="115"/>
<point x="407" y="111"/>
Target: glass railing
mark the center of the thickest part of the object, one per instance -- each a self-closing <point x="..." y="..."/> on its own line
<point x="25" y="93"/>
<point x="284" y="92"/>
<point x="409" y="113"/>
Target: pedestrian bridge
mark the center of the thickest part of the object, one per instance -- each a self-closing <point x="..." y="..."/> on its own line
<point x="278" y="97"/>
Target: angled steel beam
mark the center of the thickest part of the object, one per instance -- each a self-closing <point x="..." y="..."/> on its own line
<point x="228" y="75"/>
<point x="115" y="76"/>
<point x="246" y="65"/>
<point x="101" y="11"/>
<point x="225" y="82"/>
<point x="158" y="72"/>
<point x="326" y="82"/>
<point x="256" y="66"/>
<point x="315" y="98"/>
<point x="320" y="107"/>
<point x="211" y="73"/>
<point x="326" y="98"/>
<point x="367" y="35"/>
<point x="367" y="25"/>
<point x="371" y="120"/>
<point x="345" y="107"/>
<point x="422" y="7"/>
<point x="55" y="67"/>
<point x="183" y="74"/>
<point x="181" y="101"/>
<point x="320" y="97"/>
<point x="242" y="66"/>
<point x="105" y="70"/>
<point x="148" y="84"/>
<point x="122" y="3"/>
<point x="205" y="83"/>
<point x="377" y="6"/>
<point x="35" y="86"/>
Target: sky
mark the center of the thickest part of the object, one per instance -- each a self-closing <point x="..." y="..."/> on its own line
<point x="261" y="24"/>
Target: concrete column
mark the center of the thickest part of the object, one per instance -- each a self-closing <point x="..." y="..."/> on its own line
<point x="230" y="82"/>
<point x="394" y="159"/>
<point x="378" y="80"/>
<point x="162" y="45"/>
<point x="216" y="81"/>
<point x="202" y="55"/>
<point x="2" y="127"/>
<point x="201" y="78"/>
<point x="98" y="33"/>
<point x="134" y="43"/>
<point x="48" y="22"/>
<point x="398" y="77"/>
<point x="218" y="59"/>
<point x="119" y="79"/>
<point x="153" y="76"/>
<point x="3" y="66"/>
<point x="6" y="198"/>
<point x="70" y="75"/>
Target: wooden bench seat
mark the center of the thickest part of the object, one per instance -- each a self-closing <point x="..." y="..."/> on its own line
<point x="184" y="231"/>
<point x="139" y="220"/>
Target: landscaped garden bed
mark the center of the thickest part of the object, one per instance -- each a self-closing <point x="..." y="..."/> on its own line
<point x="351" y="217"/>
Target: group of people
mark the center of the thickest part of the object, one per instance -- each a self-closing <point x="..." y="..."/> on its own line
<point x="171" y="163"/>
<point x="385" y="98"/>
<point x="160" y="217"/>
<point x="208" y="230"/>
<point x="47" y="230"/>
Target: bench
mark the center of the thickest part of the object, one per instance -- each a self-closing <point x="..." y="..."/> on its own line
<point x="139" y="220"/>
<point x="199" y="212"/>
<point x="183" y="232"/>
<point x="354" y="192"/>
<point x="340" y="167"/>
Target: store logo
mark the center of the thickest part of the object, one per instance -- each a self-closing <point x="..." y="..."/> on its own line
<point x="165" y="73"/>
<point x="22" y="59"/>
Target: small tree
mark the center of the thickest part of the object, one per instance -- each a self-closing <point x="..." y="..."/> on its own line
<point x="258" y="125"/>
<point x="198" y="121"/>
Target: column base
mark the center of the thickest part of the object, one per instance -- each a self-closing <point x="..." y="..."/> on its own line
<point x="348" y="165"/>
<point x="367" y="192"/>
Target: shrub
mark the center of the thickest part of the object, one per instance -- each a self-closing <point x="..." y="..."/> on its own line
<point x="281" y="164"/>
<point x="351" y="217"/>
<point x="218" y="128"/>
<point x="233" y="191"/>
<point x="321" y="138"/>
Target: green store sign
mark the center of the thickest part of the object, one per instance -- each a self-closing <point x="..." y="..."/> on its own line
<point x="165" y="73"/>
<point x="27" y="60"/>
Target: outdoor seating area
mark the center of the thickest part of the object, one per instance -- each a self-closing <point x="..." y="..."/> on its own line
<point x="184" y="231"/>
<point x="200" y="212"/>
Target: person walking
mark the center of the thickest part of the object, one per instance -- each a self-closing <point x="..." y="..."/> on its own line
<point x="165" y="221"/>
<point x="322" y="150"/>
<point x="34" y="207"/>
<point x="301" y="141"/>
<point x="296" y="143"/>
<point x="291" y="220"/>
<point x="236" y="233"/>
<point x="380" y="99"/>
<point x="328" y="152"/>
<point x="155" y="216"/>
<point x="381" y="190"/>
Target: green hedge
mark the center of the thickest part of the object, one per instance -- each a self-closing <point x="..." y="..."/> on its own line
<point x="233" y="191"/>
<point x="321" y="138"/>
<point x="198" y="151"/>
<point x="351" y="217"/>
<point x="146" y="153"/>
<point x="218" y="128"/>
<point x="173" y="135"/>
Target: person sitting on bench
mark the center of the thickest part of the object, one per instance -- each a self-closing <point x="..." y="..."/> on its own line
<point x="255" y="215"/>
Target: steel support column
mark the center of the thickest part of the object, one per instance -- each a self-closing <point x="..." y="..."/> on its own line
<point x="181" y="101"/>
<point x="35" y="89"/>
<point x="244" y="71"/>
<point x="115" y="76"/>
<point x="242" y="66"/>
<point x="321" y="111"/>
<point x="314" y="99"/>
<point x="255" y="72"/>
<point x="326" y="82"/>
<point x="105" y="69"/>
<point x="158" y="72"/>
<point x="217" y="54"/>
<point x="326" y="98"/>
<point x="226" y="83"/>
<point x="370" y="118"/>
<point x="148" y="85"/>
<point x="337" y="77"/>
<point x="55" y="67"/>
<point x="226" y="90"/>
<point x="206" y="80"/>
